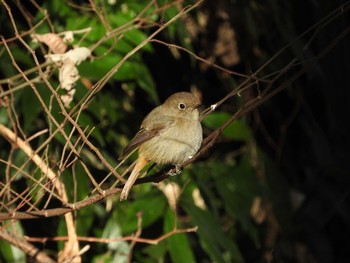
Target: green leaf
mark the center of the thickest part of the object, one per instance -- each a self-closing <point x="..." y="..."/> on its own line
<point x="178" y="245"/>
<point x="3" y="116"/>
<point x="151" y="207"/>
<point x="129" y="70"/>
<point x="23" y="57"/>
<point x="95" y="70"/>
<point x="212" y="238"/>
<point x="237" y="130"/>
<point x="145" y="81"/>
<point x="85" y="220"/>
<point x="132" y="34"/>
<point x="136" y="37"/>
<point x="120" y="248"/>
<point x="238" y="186"/>
<point x="55" y="6"/>
<point x="155" y="253"/>
<point x="30" y="107"/>
<point x="9" y="252"/>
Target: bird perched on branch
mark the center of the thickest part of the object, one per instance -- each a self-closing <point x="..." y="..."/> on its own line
<point x="170" y="134"/>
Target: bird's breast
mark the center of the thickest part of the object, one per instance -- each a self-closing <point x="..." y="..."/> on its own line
<point x="177" y="144"/>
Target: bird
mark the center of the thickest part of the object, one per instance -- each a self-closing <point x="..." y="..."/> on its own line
<point x="170" y="134"/>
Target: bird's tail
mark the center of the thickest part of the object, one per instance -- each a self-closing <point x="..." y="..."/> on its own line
<point x="140" y="164"/>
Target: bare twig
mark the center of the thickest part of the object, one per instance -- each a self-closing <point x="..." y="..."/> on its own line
<point x="114" y="70"/>
<point x="207" y="143"/>
<point x="28" y="248"/>
<point x="111" y="240"/>
<point x="72" y="246"/>
<point x="206" y="61"/>
<point x="11" y="136"/>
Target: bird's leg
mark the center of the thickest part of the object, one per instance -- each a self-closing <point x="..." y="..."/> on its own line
<point x="176" y="170"/>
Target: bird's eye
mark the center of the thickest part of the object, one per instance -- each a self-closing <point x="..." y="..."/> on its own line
<point x="182" y="106"/>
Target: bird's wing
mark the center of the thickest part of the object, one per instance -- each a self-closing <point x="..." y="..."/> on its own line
<point x="153" y="125"/>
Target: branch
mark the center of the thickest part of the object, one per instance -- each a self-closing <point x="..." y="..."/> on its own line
<point x="114" y="70"/>
<point x="111" y="240"/>
<point x="207" y="144"/>
<point x="26" y="247"/>
<point x="15" y="140"/>
<point x="71" y="247"/>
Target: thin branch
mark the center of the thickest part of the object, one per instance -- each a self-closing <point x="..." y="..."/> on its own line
<point x="117" y="239"/>
<point x="206" y="61"/>
<point x="14" y="139"/>
<point x="71" y="246"/>
<point x="207" y="143"/>
<point x="114" y="70"/>
<point x="24" y="245"/>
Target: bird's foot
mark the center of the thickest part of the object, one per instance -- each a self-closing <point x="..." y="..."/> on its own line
<point x="175" y="171"/>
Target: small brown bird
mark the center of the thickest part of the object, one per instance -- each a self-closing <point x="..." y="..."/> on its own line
<point x="170" y="134"/>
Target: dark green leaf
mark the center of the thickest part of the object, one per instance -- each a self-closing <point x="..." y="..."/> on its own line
<point x="237" y="130"/>
<point x="152" y="208"/>
<point x="155" y="253"/>
<point x="178" y="245"/>
<point x="212" y="238"/>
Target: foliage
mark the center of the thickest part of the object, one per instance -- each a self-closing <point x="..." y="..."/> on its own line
<point x="237" y="193"/>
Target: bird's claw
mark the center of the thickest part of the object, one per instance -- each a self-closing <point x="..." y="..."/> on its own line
<point x="175" y="171"/>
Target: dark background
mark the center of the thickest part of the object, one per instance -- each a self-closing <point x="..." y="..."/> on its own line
<point x="305" y="128"/>
<point x="299" y="151"/>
